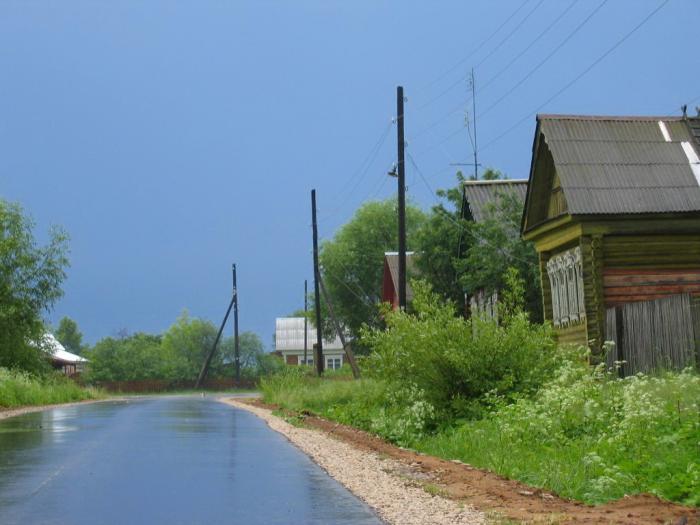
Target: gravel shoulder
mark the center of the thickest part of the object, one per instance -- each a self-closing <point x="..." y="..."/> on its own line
<point x="405" y="486"/>
<point x="12" y="412"/>
<point x="396" y="493"/>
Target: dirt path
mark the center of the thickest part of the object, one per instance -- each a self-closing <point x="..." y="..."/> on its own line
<point x="501" y="499"/>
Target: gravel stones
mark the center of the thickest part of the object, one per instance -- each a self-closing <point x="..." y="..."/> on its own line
<point x="396" y="498"/>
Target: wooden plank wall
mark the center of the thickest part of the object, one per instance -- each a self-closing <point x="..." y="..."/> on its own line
<point x="658" y="334"/>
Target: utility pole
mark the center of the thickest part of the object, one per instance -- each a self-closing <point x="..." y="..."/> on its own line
<point x="401" y="198"/>
<point x="306" y="321"/>
<point x="476" y="162"/>
<point x="346" y="348"/>
<point x="207" y="361"/>
<point x="317" y="297"/>
<point x="237" y="355"/>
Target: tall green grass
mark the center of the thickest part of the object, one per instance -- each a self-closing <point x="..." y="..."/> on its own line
<point x="22" y="389"/>
<point x="585" y="434"/>
<point x="592" y="437"/>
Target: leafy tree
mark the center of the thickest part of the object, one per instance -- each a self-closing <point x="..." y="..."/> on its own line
<point x="352" y="262"/>
<point x="69" y="335"/>
<point x="440" y="240"/>
<point x="497" y="246"/>
<point x="250" y="346"/>
<point x="30" y="283"/>
<point x="186" y="345"/>
<point x="131" y="358"/>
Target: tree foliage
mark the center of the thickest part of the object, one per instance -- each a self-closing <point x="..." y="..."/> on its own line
<point x="353" y="261"/>
<point x="69" y="335"/>
<point x="495" y="246"/>
<point x="440" y="240"/>
<point x="30" y="283"/>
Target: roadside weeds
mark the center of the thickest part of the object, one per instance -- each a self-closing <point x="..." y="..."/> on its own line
<point x="504" y="501"/>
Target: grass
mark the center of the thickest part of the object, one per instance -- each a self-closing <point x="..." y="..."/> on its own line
<point x="21" y="389"/>
<point x="585" y="435"/>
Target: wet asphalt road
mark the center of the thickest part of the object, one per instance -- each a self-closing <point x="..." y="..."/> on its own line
<point x="165" y="460"/>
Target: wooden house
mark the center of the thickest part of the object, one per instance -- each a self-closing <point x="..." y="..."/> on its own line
<point x="289" y="344"/>
<point x="613" y="207"/>
<point x="390" y="278"/>
<point x="479" y="198"/>
<point x="68" y="363"/>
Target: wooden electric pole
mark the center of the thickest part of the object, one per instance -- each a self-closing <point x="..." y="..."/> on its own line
<point x="318" y="358"/>
<point x="346" y="348"/>
<point x="401" y="165"/>
<point x="306" y="321"/>
<point x="237" y="354"/>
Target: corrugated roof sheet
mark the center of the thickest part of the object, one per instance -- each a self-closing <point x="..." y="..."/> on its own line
<point x="483" y="192"/>
<point x="617" y="165"/>
<point x="289" y="335"/>
<point x="59" y="353"/>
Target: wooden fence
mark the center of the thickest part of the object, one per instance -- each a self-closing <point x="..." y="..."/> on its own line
<point x="654" y="335"/>
<point x="161" y="385"/>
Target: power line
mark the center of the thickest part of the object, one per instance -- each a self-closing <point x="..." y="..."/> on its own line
<point x="513" y="31"/>
<point x="475" y="50"/>
<point x="461" y="226"/>
<point x="500" y="72"/>
<point x="489" y="55"/>
<point x="580" y="75"/>
<point x="546" y="59"/>
<point x="362" y="171"/>
<point x="529" y="46"/>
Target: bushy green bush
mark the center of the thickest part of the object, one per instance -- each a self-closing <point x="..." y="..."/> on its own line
<point x="19" y="388"/>
<point x="453" y="363"/>
<point x="591" y="436"/>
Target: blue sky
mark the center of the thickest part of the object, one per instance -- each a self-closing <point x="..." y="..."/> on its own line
<point x="172" y="138"/>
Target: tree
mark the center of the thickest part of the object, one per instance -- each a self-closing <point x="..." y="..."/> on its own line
<point x="131" y="358"/>
<point x="30" y="283"/>
<point x="187" y="343"/>
<point x="251" y="351"/>
<point x="353" y="261"/>
<point x="497" y="246"/>
<point x="69" y="335"/>
<point x="439" y="241"/>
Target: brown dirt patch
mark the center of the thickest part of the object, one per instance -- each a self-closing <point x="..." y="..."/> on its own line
<point x="502" y="498"/>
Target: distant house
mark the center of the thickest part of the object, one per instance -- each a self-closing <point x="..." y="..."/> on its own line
<point x="70" y="364"/>
<point x="289" y="343"/>
<point x="390" y="278"/>
<point x="613" y="207"/>
<point x="478" y="197"/>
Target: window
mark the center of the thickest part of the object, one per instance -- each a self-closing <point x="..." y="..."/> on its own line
<point x="334" y="363"/>
<point x="565" y="272"/>
<point x="309" y="361"/>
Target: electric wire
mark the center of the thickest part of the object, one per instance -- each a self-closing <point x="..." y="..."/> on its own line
<point x="463" y="104"/>
<point x="545" y="60"/>
<point x="579" y="76"/>
<point x="484" y="59"/>
<point x="473" y="52"/>
<point x="456" y="223"/>
<point x="362" y="171"/>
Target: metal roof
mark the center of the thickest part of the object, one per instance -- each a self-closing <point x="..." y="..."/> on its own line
<point x="392" y="261"/>
<point x="289" y="335"/>
<point x="480" y="193"/>
<point x="59" y="353"/>
<point x="620" y="165"/>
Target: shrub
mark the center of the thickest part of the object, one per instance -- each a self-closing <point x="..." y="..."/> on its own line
<point x="453" y="362"/>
